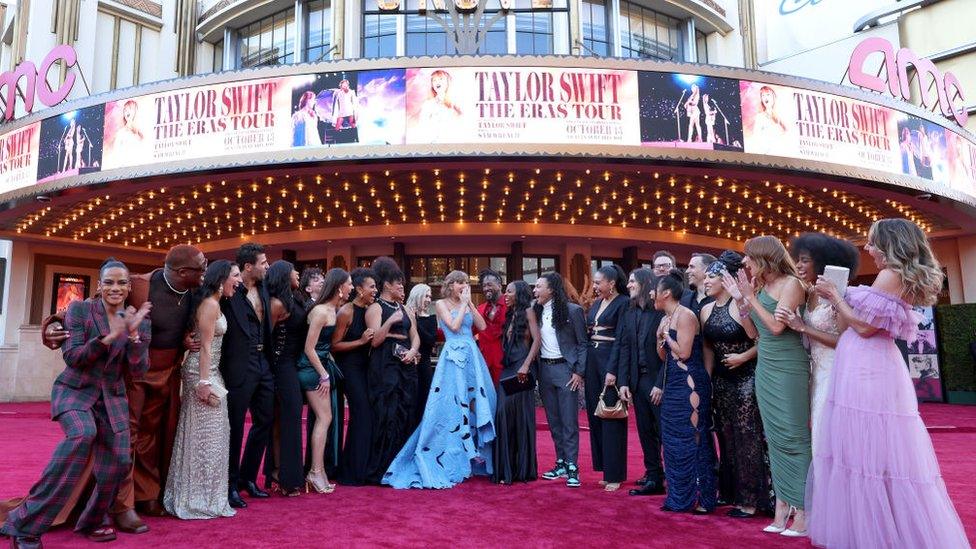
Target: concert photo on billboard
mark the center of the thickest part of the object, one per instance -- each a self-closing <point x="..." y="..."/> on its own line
<point x="71" y="144"/>
<point x="922" y="146"/>
<point x="325" y="110"/>
<point x="690" y="111"/>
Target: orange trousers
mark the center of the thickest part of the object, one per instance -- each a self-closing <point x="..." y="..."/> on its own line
<point x="154" y="411"/>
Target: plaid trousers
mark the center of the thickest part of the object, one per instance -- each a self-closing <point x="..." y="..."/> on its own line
<point x="87" y="433"/>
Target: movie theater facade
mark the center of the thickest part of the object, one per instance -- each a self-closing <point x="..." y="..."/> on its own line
<point x="522" y="163"/>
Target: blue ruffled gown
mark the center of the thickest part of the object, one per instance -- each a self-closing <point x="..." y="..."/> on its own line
<point x="454" y="439"/>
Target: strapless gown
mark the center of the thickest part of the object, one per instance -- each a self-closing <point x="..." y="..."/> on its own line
<point x="455" y="436"/>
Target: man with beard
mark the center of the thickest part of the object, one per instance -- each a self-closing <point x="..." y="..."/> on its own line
<point x="493" y="311"/>
<point x="154" y="400"/>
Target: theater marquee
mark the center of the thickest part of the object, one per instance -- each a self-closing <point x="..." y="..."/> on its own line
<point x="628" y="108"/>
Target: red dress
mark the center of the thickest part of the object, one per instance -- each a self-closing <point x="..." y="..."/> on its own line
<point x="490" y="340"/>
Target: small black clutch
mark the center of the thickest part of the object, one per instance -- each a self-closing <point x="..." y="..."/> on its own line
<point x="512" y="385"/>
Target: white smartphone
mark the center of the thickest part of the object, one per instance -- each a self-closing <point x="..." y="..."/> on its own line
<point x="839" y="276"/>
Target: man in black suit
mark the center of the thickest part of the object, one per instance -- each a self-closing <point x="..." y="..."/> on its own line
<point x="641" y="372"/>
<point x="245" y="365"/>
<point x="562" y="361"/>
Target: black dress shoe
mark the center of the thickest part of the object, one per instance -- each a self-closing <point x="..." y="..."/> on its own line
<point x="234" y="498"/>
<point x="252" y="489"/>
<point x="648" y="489"/>
<point x="739" y="514"/>
<point x="26" y="542"/>
<point x="641" y="481"/>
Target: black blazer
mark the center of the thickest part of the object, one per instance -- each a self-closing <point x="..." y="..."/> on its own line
<point x="628" y="369"/>
<point x="610" y="318"/>
<point x="245" y="333"/>
<point x="572" y="337"/>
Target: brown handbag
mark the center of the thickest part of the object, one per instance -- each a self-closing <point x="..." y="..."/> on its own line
<point x="617" y="411"/>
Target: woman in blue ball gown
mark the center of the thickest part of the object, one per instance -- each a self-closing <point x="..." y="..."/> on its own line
<point x="454" y="439"/>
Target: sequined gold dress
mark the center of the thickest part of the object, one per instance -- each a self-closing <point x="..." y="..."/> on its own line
<point x="197" y="484"/>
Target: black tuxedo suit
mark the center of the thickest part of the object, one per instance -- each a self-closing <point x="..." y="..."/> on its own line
<point x="245" y="366"/>
<point x="639" y="329"/>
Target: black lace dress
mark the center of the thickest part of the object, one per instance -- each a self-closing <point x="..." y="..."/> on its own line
<point x="744" y="467"/>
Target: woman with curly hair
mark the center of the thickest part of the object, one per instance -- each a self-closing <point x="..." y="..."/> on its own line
<point x="875" y="480"/>
<point x="819" y="322"/>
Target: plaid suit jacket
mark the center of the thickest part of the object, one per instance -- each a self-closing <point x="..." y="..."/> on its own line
<point x="94" y="370"/>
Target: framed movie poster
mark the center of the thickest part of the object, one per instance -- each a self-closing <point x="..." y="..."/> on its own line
<point x="68" y="288"/>
<point x="922" y="358"/>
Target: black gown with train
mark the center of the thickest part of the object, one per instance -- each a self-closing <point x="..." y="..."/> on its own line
<point x="354" y="365"/>
<point x="514" y="451"/>
<point x="392" y="396"/>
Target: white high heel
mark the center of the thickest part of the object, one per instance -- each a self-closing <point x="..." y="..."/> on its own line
<point x="791" y="533"/>
<point x="773" y="529"/>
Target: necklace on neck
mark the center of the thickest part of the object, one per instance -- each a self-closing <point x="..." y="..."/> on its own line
<point x="179" y="302"/>
<point x="390" y="304"/>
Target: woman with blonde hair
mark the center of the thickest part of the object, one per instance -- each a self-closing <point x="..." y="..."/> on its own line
<point x="455" y="436"/>
<point x="782" y="373"/>
<point x="418" y="304"/>
<point x="875" y="481"/>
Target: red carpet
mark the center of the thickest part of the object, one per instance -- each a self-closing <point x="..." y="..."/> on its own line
<point x="475" y="514"/>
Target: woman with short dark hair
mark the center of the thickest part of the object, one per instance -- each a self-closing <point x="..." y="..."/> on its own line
<point x="686" y="410"/>
<point x="608" y="437"/>
<point x="105" y="341"/>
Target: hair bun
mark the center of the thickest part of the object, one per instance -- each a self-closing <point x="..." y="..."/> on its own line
<point x="677" y="274"/>
<point x="732" y="261"/>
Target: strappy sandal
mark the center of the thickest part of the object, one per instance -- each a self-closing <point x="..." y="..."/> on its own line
<point x="102" y="534"/>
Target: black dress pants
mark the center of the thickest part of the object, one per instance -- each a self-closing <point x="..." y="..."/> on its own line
<point x="648" y="426"/>
<point x="608" y="437"/>
<point x="256" y="395"/>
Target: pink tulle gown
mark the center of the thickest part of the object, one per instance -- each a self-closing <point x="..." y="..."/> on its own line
<point x="874" y="481"/>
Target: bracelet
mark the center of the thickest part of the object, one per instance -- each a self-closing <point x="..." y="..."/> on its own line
<point x="324" y="379"/>
<point x="204" y="382"/>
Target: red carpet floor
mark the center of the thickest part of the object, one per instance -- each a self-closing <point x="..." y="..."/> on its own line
<point x="475" y="514"/>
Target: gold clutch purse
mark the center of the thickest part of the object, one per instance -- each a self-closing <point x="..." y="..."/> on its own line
<point x="617" y="411"/>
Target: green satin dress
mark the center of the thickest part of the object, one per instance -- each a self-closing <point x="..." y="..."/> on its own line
<point x="783" y="393"/>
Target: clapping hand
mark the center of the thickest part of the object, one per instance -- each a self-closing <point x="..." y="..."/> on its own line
<point x="731" y="286"/>
<point x="747" y="287"/>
